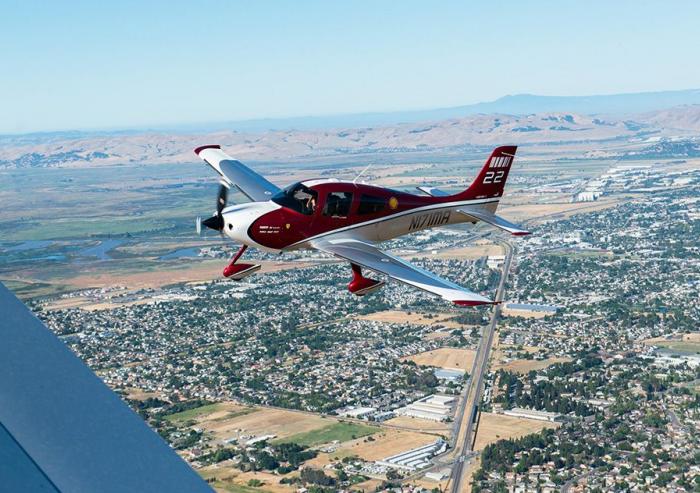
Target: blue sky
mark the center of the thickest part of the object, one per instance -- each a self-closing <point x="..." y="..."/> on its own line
<point x="83" y="65"/>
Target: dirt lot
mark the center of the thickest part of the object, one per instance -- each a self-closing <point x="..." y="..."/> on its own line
<point x="473" y="252"/>
<point x="494" y="427"/>
<point x="385" y="444"/>
<point x="398" y="316"/>
<point x="523" y="366"/>
<point x="265" y="421"/>
<point x="421" y="425"/>
<point x="452" y="358"/>
<point x="229" y="479"/>
<point x="201" y="271"/>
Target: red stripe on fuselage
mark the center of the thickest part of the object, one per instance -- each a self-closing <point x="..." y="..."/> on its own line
<point x="284" y="227"/>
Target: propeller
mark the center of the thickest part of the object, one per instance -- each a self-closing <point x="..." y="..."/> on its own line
<point x="215" y="222"/>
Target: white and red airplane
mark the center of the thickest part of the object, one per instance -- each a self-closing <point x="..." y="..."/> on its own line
<point x="347" y="219"/>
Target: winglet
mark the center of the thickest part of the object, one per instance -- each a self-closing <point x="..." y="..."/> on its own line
<point x="210" y="146"/>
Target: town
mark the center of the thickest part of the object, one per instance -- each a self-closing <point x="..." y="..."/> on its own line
<point x="597" y="353"/>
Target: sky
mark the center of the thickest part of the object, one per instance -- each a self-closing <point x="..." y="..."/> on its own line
<point x="130" y="64"/>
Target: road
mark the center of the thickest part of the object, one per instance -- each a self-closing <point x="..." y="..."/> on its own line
<point x="475" y="386"/>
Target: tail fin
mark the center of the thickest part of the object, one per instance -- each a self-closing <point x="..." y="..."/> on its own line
<point x="492" y="177"/>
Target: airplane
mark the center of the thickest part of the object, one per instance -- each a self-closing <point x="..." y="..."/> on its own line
<point x="348" y="219"/>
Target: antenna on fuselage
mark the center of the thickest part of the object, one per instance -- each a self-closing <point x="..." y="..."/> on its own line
<point x="354" y="182"/>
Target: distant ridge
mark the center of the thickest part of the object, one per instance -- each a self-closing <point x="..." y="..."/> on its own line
<point x="518" y="104"/>
<point x="613" y="105"/>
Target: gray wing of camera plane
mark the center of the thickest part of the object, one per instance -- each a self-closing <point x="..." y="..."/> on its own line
<point x="61" y="428"/>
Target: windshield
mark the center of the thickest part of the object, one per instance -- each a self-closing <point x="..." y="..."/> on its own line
<point x="298" y="198"/>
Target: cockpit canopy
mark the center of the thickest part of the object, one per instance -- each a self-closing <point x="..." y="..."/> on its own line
<point x="297" y="197"/>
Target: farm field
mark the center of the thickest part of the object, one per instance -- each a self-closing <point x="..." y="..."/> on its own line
<point x="398" y="316"/>
<point x="384" y="444"/>
<point x="451" y="358"/>
<point x="266" y="421"/>
<point x="211" y="412"/>
<point x="523" y="366"/>
<point x="494" y="427"/>
<point x="685" y="343"/>
<point x="341" y="432"/>
<point x="420" y="425"/>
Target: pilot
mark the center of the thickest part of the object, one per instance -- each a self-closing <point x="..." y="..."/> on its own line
<point x="311" y="204"/>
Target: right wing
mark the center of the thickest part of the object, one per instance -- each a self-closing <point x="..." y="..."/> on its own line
<point x="235" y="173"/>
<point x="366" y="255"/>
<point x="432" y="191"/>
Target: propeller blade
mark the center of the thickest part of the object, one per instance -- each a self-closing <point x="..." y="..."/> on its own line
<point x="221" y="200"/>
<point x="198" y="226"/>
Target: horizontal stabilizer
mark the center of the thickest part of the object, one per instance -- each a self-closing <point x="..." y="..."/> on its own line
<point x="495" y="220"/>
<point x="433" y="192"/>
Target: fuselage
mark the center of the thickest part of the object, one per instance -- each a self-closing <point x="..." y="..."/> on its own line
<point x="312" y="209"/>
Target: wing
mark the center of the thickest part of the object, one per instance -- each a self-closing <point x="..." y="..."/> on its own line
<point x="368" y="256"/>
<point x="62" y="429"/>
<point x="235" y="173"/>
<point x="495" y="220"/>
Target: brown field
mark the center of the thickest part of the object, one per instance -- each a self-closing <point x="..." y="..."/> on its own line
<point x="140" y="395"/>
<point x="536" y="212"/>
<point x="494" y="427"/>
<point x="385" y="444"/>
<point x="265" y="421"/>
<point x="524" y="366"/>
<point x="523" y="313"/>
<point x="472" y="252"/>
<point x="369" y="485"/>
<point x="398" y="316"/>
<point x="228" y="477"/>
<point x="453" y="358"/>
<point x="691" y="337"/>
<point x="206" y="270"/>
<point x="420" y="425"/>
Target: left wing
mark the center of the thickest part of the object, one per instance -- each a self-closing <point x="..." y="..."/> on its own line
<point x="366" y="255"/>
<point x="235" y="173"/>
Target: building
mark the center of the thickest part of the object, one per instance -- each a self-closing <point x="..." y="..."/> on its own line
<point x="433" y="407"/>
<point x="416" y="458"/>
<point x="357" y="412"/>
<point x="440" y="475"/>
<point x="530" y="309"/>
<point x="449" y="375"/>
<point x="495" y="261"/>
<point x="519" y="412"/>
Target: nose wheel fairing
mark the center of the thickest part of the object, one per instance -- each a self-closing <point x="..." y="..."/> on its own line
<point x="361" y="285"/>
<point x="239" y="271"/>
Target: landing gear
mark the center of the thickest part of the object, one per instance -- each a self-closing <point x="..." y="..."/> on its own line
<point x="239" y="271"/>
<point x="361" y="285"/>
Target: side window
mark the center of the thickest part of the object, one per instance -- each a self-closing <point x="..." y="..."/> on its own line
<point x="370" y="204"/>
<point x="337" y="204"/>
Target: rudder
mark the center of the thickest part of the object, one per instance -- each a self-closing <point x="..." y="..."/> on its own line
<point x="491" y="180"/>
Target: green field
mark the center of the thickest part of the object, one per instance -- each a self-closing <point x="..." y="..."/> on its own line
<point x="198" y="412"/>
<point x="337" y="431"/>
<point x="238" y="488"/>
<point x="194" y="413"/>
<point x="687" y="347"/>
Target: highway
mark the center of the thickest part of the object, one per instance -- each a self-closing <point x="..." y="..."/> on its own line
<point x="475" y="386"/>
